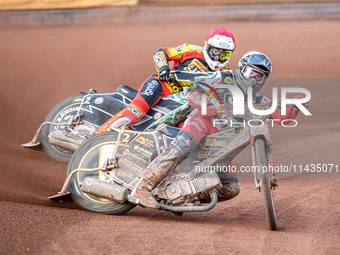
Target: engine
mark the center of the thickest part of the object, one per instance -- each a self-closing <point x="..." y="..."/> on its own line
<point x="182" y="192"/>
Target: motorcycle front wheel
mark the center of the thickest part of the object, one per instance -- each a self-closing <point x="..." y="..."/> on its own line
<point x="265" y="181"/>
<point x="60" y="113"/>
<point x="88" y="156"/>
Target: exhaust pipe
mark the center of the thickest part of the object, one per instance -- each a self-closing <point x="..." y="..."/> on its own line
<point x="62" y="139"/>
<point x="193" y="208"/>
<point x="107" y="190"/>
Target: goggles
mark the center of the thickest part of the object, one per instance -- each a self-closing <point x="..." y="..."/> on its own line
<point x="252" y="73"/>
<point x="221" y="55"/>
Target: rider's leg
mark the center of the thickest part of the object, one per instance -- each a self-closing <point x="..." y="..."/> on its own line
<point x="195" y="128"/>
<point x="230" y="185"/>
<point x="129" y="116"/>
<point x="162" y="165"/>
<point x="230" y="182"/>
<point x="148" y="95"/>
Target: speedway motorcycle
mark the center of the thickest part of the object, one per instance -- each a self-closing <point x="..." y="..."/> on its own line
<point x="103" y="173"/>
<point x="75" y="119"/>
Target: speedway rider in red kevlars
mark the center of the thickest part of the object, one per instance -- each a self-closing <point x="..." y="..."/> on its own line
<point x="218" y="48"/>
<point x="252" y="71"/>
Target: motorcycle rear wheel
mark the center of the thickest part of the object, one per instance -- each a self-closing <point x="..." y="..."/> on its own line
<point x="88" y="156"/>
<point x="262" y="163"/>
<point x="59" y="114"/>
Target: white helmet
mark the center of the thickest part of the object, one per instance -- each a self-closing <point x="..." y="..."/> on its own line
<point x="218" y="47"/>
<point x="253" y="69"/>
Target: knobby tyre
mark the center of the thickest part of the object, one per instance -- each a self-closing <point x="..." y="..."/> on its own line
<point x="87" y="156"/>
<point x="267" y="192"/>
<point x="60" y="114"/>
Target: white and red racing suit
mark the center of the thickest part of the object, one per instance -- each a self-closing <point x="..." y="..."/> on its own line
<point x="198" y="126"/>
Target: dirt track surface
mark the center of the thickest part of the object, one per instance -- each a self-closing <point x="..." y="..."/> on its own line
<point x="41" y="65"/>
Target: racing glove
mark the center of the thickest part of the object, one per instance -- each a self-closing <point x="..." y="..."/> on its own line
<point x="164" y="74"/>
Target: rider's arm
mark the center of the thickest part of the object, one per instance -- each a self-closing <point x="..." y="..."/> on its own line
<point x="291" y="113"/>
<point x="161" y="59"/>
<point x="164" y="55"/>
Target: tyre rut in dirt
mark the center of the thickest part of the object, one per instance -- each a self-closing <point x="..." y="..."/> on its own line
<point x="59" y="114"/>
<point x="262" y="163"/>
<point x="87" y="156"/>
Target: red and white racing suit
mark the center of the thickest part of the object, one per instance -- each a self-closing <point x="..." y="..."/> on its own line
<point x="198" y="126"/>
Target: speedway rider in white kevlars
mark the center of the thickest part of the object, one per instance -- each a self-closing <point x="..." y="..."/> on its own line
<point x="253" y="70"/>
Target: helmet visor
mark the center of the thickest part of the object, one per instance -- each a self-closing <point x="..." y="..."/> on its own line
<point x="218" y="54"/>
<point x="252" y="73"/>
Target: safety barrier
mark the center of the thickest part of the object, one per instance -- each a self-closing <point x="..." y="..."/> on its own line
<point x="69" y="4"/>
<point x="225" y="2"/>
<point x="61" y="4"/>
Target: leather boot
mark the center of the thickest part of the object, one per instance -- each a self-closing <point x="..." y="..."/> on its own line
<point x="162" y="165"/>
<point x="144" y="194"/>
